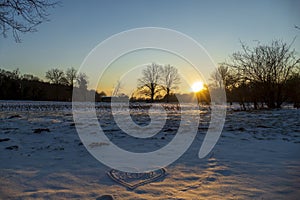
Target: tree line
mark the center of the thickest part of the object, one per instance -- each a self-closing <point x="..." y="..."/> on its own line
<point x="157" y="83"/>
<point x="266" y="75"/>
<point x="17" y="86"/>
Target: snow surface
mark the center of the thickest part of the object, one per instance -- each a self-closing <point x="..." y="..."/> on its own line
<point x="42" y="157"/>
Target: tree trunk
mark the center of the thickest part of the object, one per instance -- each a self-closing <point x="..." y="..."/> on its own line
<point x="152" y="96"/>
<point x="168" y="94"/>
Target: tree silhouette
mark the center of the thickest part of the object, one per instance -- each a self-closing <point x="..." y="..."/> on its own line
<point x="117" y="88"/>
<point x="22" y="16"/>
<point x="224" y="78"/>
<point x="71" y="76"/>
<point x="170" y="79"/>
<point x="266" y="68"/>
<point x="292" y="89"/>
<point x="56" y="76"/>
<point x="82" y="81"/>
<point x="221" y="77"/>
<point x="82" y="92"/>
<point x="149" y="84"/>
<point x="15" y="86"/>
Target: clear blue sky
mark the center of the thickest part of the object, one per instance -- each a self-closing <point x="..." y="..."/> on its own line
<point x="77" y="27"/>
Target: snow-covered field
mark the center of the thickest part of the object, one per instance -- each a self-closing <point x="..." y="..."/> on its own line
<point x="42" y="157"/>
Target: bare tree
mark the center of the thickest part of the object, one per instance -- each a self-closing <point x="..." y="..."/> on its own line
<point x="83" y="94"/>
<point x="267" y="67"/>
<point x="222" y="77"/>
<point x="170" y="79"/>
<point x="56" y="76"/>
<point x="22" y="16"/>
<point x="71" y="76"/>
<point x="82" y="81"/>
<point x="149" y="84"/>
<point x="117" y="88"/>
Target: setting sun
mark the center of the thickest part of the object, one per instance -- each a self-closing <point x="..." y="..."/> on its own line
<point x="197" y="86"/>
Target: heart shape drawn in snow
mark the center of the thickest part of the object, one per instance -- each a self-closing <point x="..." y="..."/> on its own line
<point x="134" y="180"/>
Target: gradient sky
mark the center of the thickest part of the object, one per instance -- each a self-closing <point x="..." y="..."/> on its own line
<point x="76" y="27"/>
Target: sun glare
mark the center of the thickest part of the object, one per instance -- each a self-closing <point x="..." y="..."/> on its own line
<point x="197" y="86"/>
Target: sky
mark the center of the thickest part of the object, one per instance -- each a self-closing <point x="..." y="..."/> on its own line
<point x="76" y="27"/>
